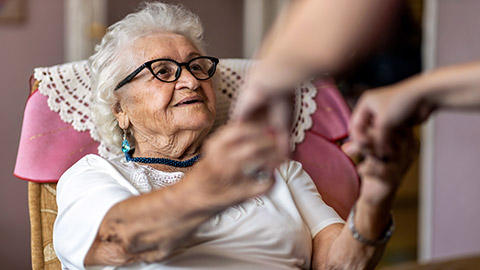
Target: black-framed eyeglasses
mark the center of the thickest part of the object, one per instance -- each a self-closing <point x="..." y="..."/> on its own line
<point x="168" y="70"/>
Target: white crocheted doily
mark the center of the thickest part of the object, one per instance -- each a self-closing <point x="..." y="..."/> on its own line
<point x="67" y="87"/>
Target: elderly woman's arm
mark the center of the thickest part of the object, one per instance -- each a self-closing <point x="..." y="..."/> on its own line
<point x="335" y="247"/>
<point x="151" y="226"/>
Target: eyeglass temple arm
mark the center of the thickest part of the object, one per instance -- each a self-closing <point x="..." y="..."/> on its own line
<point x="130" y="77"/>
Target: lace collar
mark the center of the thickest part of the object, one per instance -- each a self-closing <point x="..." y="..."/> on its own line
<point x="145" y="178"/>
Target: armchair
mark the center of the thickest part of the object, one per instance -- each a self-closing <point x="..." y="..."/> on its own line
<point x="57" y="131"/>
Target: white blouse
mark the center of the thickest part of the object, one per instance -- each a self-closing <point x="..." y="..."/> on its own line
<point x="273" y="231"/>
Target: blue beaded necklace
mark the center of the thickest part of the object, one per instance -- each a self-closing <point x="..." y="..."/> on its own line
<point x="166" y="161"/>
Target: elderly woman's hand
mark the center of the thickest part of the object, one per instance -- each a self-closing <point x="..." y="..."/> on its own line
<point x="238" y="163"/>
<point x="371" y="218"/>
<point x="222" y="178"/>
<point x="381" y="176"/>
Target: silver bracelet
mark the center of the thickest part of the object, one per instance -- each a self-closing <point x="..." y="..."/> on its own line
<point x="385" y="237"/>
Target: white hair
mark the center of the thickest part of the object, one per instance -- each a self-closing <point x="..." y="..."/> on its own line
<point x="109" y="65"/>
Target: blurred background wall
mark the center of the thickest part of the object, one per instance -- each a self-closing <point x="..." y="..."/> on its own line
<point x="34" y="40"/>
<point x="56" y="31"/>
<point x="450" y="186"/>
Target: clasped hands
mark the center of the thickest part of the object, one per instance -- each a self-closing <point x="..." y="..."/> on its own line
<point x="385" y="151"/>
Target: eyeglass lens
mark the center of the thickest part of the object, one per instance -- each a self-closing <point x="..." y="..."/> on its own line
<point x="169" y="71"/>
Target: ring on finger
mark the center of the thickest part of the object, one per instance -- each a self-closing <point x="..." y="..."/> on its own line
<point x="255" y="172"/>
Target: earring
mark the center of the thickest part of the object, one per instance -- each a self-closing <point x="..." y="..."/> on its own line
<point x="125" y="144"/>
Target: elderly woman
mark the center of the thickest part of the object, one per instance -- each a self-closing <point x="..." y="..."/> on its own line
<point x="176" y="200"/>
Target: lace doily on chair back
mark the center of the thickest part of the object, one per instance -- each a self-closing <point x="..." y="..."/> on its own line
<point x="69" y="93"/>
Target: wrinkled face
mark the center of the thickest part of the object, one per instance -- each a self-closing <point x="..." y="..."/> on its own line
<point x="156" y="108"/>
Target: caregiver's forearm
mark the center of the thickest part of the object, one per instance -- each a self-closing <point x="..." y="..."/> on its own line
<point x="455" y="86"/>
<point x="316" y="36"/>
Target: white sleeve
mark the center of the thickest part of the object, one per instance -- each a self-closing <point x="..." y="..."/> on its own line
<point x="315" y="212"/>
<point x="85" y="193"/>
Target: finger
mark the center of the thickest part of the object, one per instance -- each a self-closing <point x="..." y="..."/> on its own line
<point x="262" y="187"/>
<point x="257" y="176"/>
<point x="258" y="148"/>
<point x="151" y="256"/>
<point x="360" y="118"/>
<point x="258" y="188"/>
<point x="251" y="132"/>
<point x="360" y="123"/>
<point x="280" y="117"/>
<point x="406" y="147"/>
<point x="249" y="102"/>
<point x="373" y="167"/>
<point x="382" y="141"/>
<point x="353" y="151"/>
<point x="282" y="142"/>
<point x="237" y="132"/>
<point x="280" y="112"/>
<point x="259" y="155"/>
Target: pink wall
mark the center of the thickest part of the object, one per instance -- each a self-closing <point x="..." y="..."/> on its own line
<point x="456" y="164"/>
<point x="34" y="42"/>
